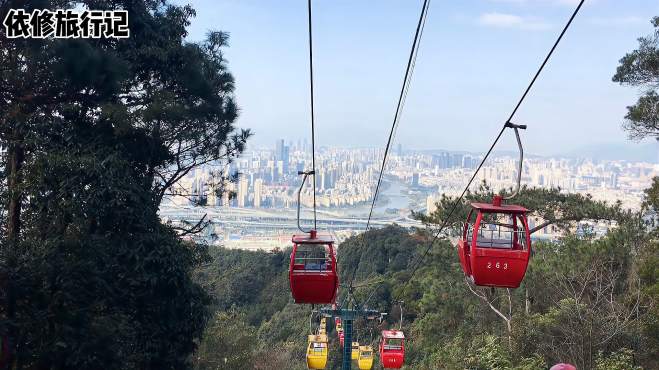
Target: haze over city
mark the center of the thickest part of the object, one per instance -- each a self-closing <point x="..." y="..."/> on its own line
<point x="475" y="59"/>
<point x="263" y="211"/>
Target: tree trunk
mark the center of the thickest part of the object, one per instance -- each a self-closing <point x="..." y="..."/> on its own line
<point x="15" y="159"/>
<point x="509" y="324"/>
<point x="527" y="301"/>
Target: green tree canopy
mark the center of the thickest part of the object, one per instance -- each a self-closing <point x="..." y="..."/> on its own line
<point x="94" y="132"/>
<point x="640" y="68"/>
<point x="552" y="206"/>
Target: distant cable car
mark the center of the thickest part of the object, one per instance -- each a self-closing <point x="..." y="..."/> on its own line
<point x="339" y="329"/>
<point x="496" y="243"/>
<point x="355" y="351"/>
<point x="317" y="352"/>
<point x="365" y="359"/>
<point x="312" y="274"/>
<point x="322" y="329"/>
<point x="392" y="349"/>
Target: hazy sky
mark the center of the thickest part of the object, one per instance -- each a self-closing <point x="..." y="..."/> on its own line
<point x="476" y="58"/>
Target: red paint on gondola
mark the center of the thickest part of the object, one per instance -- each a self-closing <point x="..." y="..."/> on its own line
<point x="312" y="273"/>
<point x="491" y="261"/>
<point x="392" y="349"/>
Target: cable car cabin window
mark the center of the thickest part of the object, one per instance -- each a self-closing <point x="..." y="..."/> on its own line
<point x="393" y="344"/>
<point x="313" y="257"/>
<point x="500" y="231"/>
<point x="319" y="347"/>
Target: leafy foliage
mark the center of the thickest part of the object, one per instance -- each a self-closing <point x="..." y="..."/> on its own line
<point x="641" y="68"/>
<point x="94" y="133"/>
<point x="622" y="359"/>
<point x="551" y="206"/>
<point x="228" y="343"/>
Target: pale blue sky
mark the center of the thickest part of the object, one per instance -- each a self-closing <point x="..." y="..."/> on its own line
<point x="476" y="57"/>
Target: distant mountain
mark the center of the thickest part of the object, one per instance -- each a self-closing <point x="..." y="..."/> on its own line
<point x="641" y="152"/>
<point x="628" y="151"/>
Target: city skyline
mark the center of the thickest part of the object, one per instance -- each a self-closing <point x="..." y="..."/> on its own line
<point x="263" y="211"/>
<point x="644" y="151"/>
<point x="280" y="164"/>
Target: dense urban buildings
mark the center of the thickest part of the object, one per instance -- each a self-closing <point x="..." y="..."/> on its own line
<point x="267" y="184"/>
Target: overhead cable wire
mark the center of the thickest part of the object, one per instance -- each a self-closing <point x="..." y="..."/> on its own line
<point x="419" y="261"/>
<point x="409" y="70"/>
<point x="401" y="100"/>
<point x="313" y="134"/>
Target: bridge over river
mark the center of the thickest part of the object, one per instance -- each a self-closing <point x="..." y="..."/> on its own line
<point x="278" y="219"/>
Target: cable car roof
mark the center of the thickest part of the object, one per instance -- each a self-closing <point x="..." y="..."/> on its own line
<point x="307" y="239"/>
<point x="321" y="338"/>
<point x="393" y="334"/>
<point x="504" y="208"/>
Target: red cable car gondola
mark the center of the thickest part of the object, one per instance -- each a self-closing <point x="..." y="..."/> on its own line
<point x="312" y="273"/>
<point x="496" y="245"/>
<point x="494" y="252"/>
<point x="392" y="349"/>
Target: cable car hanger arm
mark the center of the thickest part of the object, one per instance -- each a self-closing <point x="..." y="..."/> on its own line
<point x="521" y="156"/>
<point x="299" y="193"/>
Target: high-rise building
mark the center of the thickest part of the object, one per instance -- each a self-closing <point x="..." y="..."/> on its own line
<point x="279" y="149"/>
<point x="212" y="198"/>
<point x="284" y="158"/>
<point x="431" y="206"/>
<point x="226" y="201"/>
<point x="442" y="160"/>
<point x="456" y="160"/>
<point x="282" y="154"/>
<point x="243" y="188"/>
<point x="258" y="192"/>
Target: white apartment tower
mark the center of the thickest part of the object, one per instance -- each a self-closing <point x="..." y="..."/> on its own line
<point x="243" y="187"/>
<point x="258" y="190"/>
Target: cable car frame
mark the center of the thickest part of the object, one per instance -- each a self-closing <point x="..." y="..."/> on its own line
<point x="494" y="252"/>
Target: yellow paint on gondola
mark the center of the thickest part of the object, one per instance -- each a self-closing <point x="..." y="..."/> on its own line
<point x="355" y="350"/>
<point x="317" y="351"/>
<point x="323" y="327"/>
<point x="365" y="361"/>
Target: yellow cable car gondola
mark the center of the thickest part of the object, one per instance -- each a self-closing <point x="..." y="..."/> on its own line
<point x="365" y="361"/>
<point x="317" y="352"/>
<point x="355" y="350"/>
<point x="323" y="327"/>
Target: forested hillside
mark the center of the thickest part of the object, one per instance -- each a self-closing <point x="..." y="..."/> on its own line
<point x="585" y="300"/>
